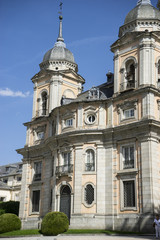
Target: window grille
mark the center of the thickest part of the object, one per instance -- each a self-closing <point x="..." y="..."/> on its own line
<point x="89" y="194"/>
<point x="128" y="157"/>
<point x="35" y="201"/>
<point x="129" y="194"/>
<point x="44" y="103"/>
<point x="90" y="160"/>
<point x="91" y="118"/>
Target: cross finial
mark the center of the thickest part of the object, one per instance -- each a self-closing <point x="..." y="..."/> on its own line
<point x="60" y="6"/>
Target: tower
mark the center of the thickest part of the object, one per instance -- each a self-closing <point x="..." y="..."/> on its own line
<point x="57" y="80"/>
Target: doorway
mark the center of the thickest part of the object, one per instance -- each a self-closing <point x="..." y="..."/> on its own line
<point x="65" y="201"/>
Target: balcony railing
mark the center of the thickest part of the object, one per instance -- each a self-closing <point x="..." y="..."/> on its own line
<point x="128" y="164"/>
<point x="64" y="169"/>
<point x="127" y="85"/>
<point x="89" y="167"/>
<point x="37" y="177"/>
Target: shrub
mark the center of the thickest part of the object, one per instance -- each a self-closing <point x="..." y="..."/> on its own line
<point x="9" y="222"/>
<point x="54" y="223"/>
<point x="10" y="207"/>
<point x="2" y="211"/>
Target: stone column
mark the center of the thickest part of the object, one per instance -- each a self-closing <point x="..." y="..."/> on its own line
<point x="148" y="105"/>
<point x="78" y="179"/>
<point x="116" y="72"/>
<point x="51" y="96"/>
<point x="102" y="116"/>
<point x="24" y="201"/>
<point x="101" y="179"/>
<point x="34" y="101"/>
<point x="150" y="157"/>
<point x="147" y="71"/>
<point x="80" y="116"/>
<point x="110" y="114"/>
<point x="46" y="187"/>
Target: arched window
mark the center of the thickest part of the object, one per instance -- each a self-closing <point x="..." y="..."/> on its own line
<point x="44" y="103"/>
<point x="130" y="73"/>
<point x="90" y="160"/>
<point x="89" y="194"/>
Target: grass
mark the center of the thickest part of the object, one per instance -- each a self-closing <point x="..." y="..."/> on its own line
<point x="96" y="231"/>
<point x="70" y="231"/>
<point x="21" y="233"/>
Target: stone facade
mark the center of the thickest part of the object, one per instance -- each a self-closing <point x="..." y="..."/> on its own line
<point x="95" y="155"/>
<point x="10" y="182"/>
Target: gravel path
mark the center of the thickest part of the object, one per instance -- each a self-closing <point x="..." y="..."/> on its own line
<point x="82" y="237"/>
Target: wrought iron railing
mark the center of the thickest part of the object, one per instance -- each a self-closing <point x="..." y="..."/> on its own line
<point x="89" y="167"/>
<point x="37" y="177"/>
<point x="128" y="164"/>
<point x="64" y="169"/>
<point x="127" y="85"/>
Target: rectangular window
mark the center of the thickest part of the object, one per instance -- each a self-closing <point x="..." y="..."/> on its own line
<point x="35" y="201"/>
<point x="67" y="161"/>
<point x="129" y="193"/>
<point x="129" y="113"/>
<point x="128" y="157"/>
<point x="5" y="180"/>
<point x="69" y="122"/>
<point x="19" y="179"/>
<point x="37" y="170"/>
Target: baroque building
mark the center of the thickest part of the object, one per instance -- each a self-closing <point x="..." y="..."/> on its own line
<point x="10" y="182"/>
<point x="95" y="155"/>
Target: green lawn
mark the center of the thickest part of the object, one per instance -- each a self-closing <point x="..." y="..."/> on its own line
<point x="96" y="231"/>
<point x="70" y="231"/>
<point x="20" y="233"/>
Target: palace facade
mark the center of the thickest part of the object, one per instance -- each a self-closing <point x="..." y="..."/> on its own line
<point x="95" y="155"/>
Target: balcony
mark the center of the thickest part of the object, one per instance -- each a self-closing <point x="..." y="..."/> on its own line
<point x="127" y="85"/>
<point x="37" y="177"/>
<point x="64" y="170"/>
<point x="128" y="164"/>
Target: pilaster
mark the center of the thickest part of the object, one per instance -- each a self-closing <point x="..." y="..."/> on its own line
<point x="34" y="101"/>
<point x="78" y="179"/>
<point x="116" y="72"/>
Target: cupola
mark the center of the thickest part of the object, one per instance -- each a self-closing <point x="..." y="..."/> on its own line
<point x="141" y="18"/>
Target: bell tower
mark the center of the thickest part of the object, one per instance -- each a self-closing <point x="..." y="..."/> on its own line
<point x="57" y="80"/>
<point x="136" y="52"/>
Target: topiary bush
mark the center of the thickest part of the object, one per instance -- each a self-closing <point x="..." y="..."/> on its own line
<point x="10" y="207"/>
<point x="54" y="223"/>
<point x="2" y="211"/>
<point x="9" y="222"/>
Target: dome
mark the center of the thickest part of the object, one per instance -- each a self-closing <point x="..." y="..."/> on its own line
<point x="142" y="11"/>
<point x="59" y="52"/>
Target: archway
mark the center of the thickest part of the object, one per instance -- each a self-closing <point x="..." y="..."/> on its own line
<point x="65" y="201"/>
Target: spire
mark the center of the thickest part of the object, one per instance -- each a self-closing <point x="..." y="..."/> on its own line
<point x="60" y="39"/>
<point x="143" y="2"/>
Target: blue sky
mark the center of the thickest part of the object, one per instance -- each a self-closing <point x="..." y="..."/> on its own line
<point x="28" y="29"/>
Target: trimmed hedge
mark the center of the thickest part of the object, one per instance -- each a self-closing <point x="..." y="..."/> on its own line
<point x="54" y="223"/>
<point x="9" y="222"/>
<point x="10" y="207"/>
<point x="2" y="211"/>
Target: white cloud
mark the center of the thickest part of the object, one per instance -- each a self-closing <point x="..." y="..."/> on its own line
<point x="90" y="40"/>
<point x="9" y="93"/>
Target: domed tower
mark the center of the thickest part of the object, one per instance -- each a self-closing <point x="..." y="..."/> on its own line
<point x="136" y="52"/>
<point x="57" y="79"/>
